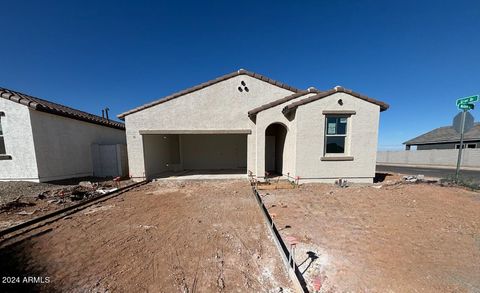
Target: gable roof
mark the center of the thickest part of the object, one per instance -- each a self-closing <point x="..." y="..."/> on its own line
<point x="337" y="89"/>
<point x="57" y="109"/>
<point x="207" y="84"/>
<point x="299" y="94"/>
<point x="445" y="134"/>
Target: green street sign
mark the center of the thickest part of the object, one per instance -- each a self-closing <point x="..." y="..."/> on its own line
<point x="468" y="100"/>
<point x="466" y="106"/>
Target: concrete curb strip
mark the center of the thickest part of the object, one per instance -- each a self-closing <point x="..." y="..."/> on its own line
<point x="293" y="271"/>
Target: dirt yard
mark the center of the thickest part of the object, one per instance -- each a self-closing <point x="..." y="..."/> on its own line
<point x="389" y="238"/>
<point x="21" y="201"/>
<point x="162" y="237"/>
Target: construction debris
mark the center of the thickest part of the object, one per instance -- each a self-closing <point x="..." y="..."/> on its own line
<point x="87" y="184"/>
<point x="419" y="179"/>
<point x="343" y="183"/>
<point x="14" y="204"/>
<point x="25" y="213"/>
<point x="74" y="193"/>
<point x="17" y="197"/>
<point x="105" y="191"/>
<point x="413" y="178"/>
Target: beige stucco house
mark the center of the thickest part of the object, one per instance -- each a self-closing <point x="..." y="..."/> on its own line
<point x="247" y="122"/>
<point x="43" y="141"/>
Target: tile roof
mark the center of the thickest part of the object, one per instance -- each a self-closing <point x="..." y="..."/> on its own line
<point x="207" y="84"/>
<point x="337" y="89"/>
<point x="57" y="109"/>
<point x="296" y="95"/>
<point x="445" y="134"/>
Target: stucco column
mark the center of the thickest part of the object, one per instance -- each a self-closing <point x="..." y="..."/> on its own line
<point x="260" y="153"/>
<point x="251" y="159"/>
<point x="136" y="159"/>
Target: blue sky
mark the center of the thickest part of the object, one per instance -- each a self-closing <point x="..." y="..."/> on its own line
<point x="418" y="56"/>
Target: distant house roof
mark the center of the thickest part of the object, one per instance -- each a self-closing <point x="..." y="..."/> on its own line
<point x="296" y="95"/>
<point x="57" y="109"/>
<point x="207" y="84"/>
<point x="337" y="89"/>
<point x="445" y="134"/>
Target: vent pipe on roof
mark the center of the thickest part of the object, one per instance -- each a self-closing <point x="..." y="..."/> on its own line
<point x="106" y="112"/>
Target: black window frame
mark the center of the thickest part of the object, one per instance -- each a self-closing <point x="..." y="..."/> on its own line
<point x="466" y="145"/>
<point x="343" y="133"/>
<point x="3" y="150"/>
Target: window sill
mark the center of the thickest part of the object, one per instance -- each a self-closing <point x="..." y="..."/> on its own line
<point x="5" y="157"/>
<point x="343" y="158"/>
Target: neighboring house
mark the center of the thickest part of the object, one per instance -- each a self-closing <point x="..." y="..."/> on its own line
<point x="250" y="123"/>
<point x="43" y="141"/>
<point x="445" y="138"/>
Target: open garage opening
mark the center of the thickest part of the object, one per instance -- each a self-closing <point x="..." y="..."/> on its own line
<point x="187" y="155"/>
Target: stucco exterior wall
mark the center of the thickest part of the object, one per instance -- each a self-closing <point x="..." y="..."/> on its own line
<point x="63" y="145"/>
<point x="362" y="129"/>
<point x="218" y="107"/>
<point x="18" y="143"/>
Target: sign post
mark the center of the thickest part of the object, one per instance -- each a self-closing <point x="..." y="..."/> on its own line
<point x="464" y="104"/>
<point x="460" y="149"/>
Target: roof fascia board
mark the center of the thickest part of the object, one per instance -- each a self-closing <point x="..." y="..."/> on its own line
<point x="275" y="103"/>
<point x="294" y="105"/>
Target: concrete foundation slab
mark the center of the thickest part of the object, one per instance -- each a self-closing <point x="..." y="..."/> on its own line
<point x="204" y="175"/>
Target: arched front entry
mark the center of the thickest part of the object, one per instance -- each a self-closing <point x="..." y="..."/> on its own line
<point x="275" y="136"/>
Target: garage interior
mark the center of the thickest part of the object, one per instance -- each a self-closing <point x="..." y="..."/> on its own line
<point x="186" y="154"/>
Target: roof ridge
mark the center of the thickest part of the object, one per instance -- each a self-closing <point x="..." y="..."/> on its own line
<point x="206" y="84"/>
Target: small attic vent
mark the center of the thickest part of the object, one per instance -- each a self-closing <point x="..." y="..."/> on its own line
<point x="243" y="87"/>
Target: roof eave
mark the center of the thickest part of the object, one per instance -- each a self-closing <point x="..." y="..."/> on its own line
<point x="383" y="106"/>
<point x="255" y="111"/>
<point x="439" y="141"/>
<point x="33" y="104"/>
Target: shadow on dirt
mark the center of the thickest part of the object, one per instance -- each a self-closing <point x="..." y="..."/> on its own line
<point x="311" y="256"/>
<point x="18" y="272"/>
<point x="381" y="176"/>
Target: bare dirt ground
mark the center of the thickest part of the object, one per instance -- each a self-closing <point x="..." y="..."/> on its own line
<point x="388" y="238"/>
<point x="167" y="236"/>
<point x="22" y="201"/>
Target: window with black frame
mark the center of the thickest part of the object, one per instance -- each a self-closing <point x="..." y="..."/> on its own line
<point x="335" y="134"/>
<point x="2" y="142"/>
